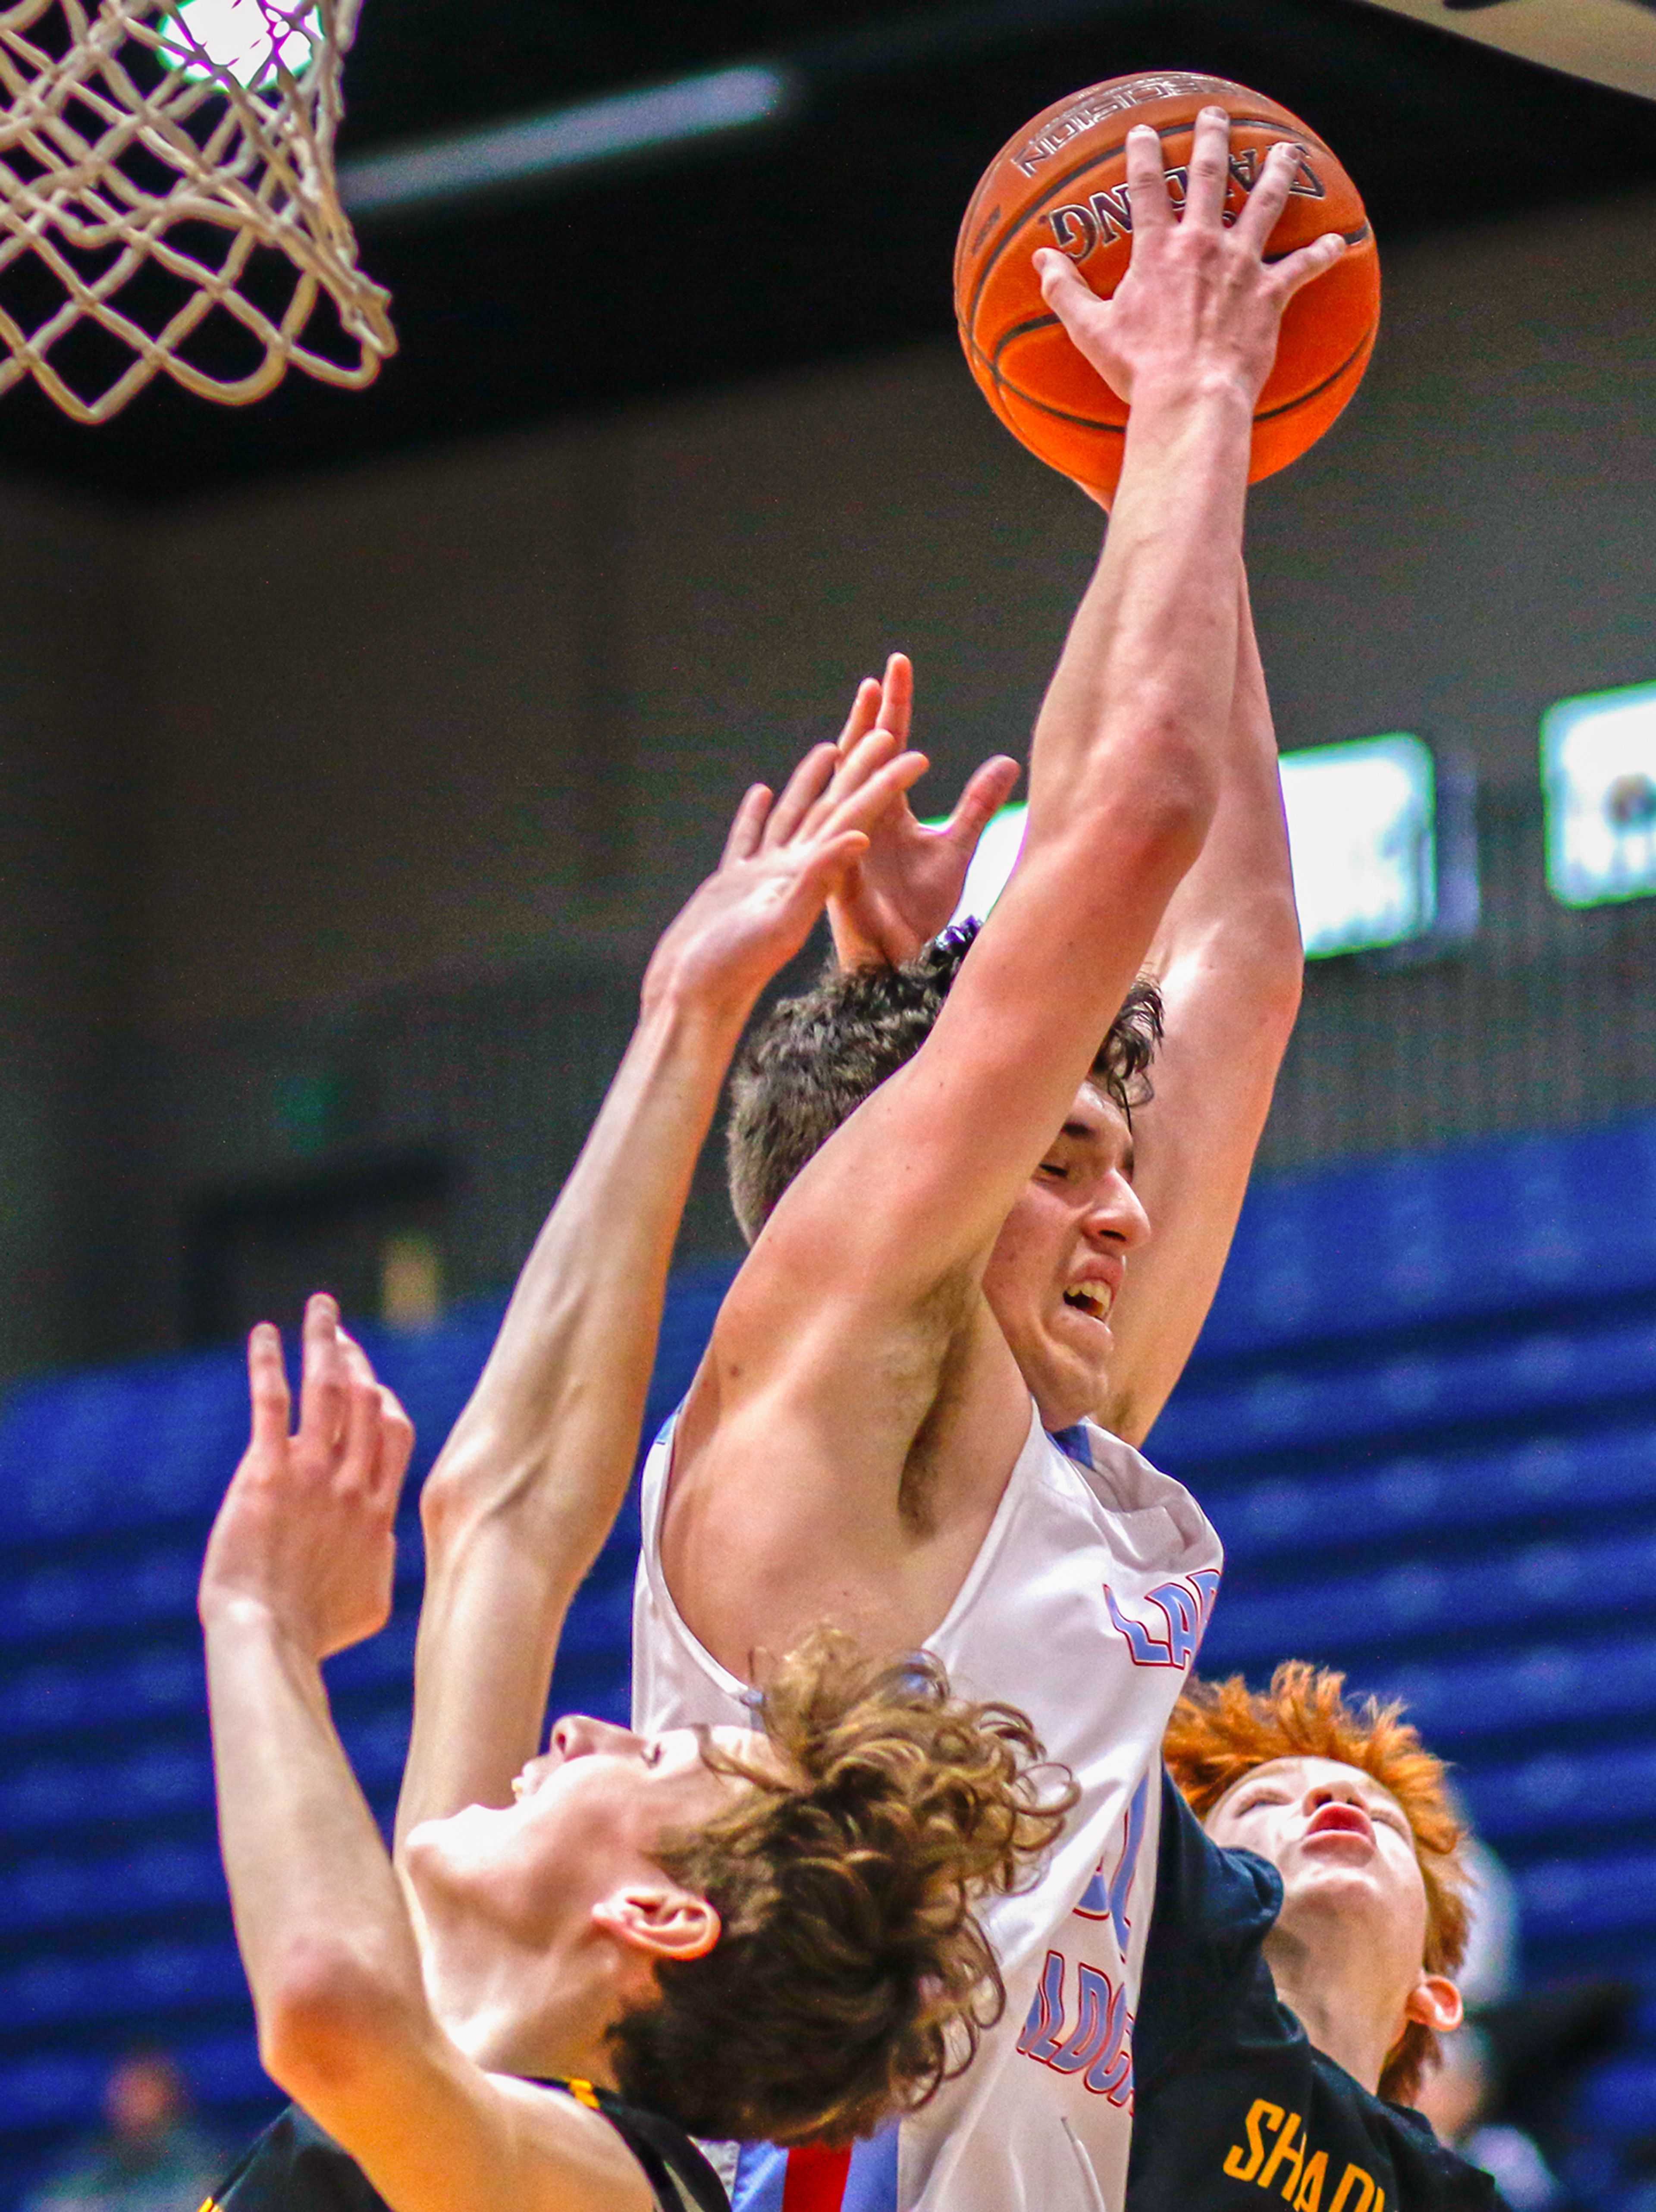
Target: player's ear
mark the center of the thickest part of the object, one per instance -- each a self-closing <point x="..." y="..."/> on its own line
<point x="660" y="1920"/>
<point x="1434" y="2002"/>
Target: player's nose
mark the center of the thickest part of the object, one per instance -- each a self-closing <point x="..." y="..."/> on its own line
<point x="578" y="1735"/>
<point x="1117" y="1218"/>
<point x="1335" y="1792"/>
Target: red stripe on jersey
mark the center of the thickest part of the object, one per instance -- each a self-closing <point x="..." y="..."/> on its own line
<point x="817" y="2179"/>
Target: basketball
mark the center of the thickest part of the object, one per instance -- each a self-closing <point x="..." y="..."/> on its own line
<point x="1061" y="182"/>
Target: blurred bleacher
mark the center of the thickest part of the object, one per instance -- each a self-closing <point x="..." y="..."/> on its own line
<point x="1423" y="1416"/>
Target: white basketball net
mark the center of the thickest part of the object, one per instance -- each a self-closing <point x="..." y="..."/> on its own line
<point x="149" y="150"/>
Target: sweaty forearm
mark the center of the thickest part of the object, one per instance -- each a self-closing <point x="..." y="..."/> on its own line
<point x="320" y="1918"/>
<point x="1236" y="905"/>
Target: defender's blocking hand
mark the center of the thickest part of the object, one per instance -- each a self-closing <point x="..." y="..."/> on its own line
<point x="783" y="857"/>
<point x="304" y="1533"/>
<point x="906" y="885"/>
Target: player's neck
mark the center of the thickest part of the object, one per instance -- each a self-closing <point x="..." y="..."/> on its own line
<point x="497" y="2006"/>
<point x="1330" y="1987"/>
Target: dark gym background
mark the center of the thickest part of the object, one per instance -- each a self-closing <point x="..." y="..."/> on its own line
<point x="352" y="747"/>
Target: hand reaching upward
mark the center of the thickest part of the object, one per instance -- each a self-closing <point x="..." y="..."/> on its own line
<point x="904" y="888"/>
<point x="782" y="858"/>
<point x="303" y="1535"/>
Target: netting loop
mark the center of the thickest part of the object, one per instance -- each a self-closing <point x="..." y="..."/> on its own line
<point x="169" y="202"/>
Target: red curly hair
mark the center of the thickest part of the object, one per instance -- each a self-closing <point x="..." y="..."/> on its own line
<point x="1221" y="1731"/>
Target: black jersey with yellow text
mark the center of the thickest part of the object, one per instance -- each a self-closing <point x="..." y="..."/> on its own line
<point x="1233" y="2110"/>
<point x="294" y="2166"/>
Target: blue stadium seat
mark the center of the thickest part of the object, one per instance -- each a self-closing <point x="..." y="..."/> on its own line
<point x="78" y="1990"/>
<point x="1532" y="1690"/>
<point x="1568" y="1477"/>
<point x="1577" y="1792"/>
<point x="54" y="1891"/>
<point x="1483" y="1229"/>
<point x="1422" y="1599"/>
<point x="1425" y="1426"/>
<point x="1589" y="1363"/>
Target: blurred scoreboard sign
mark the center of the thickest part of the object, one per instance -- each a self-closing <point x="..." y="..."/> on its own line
<point x="1599" y="773"/>
<point x="1607" y="41"/>
<point x="1361" y="826"/>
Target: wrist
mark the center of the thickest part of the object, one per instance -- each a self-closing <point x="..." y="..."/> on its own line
<point x="243" y="1617"/>
<point x="700" y="1014"/>
<point x="1192" y="396"/>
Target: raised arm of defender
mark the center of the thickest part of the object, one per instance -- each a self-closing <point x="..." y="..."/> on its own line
<point x="529" y="1481"/>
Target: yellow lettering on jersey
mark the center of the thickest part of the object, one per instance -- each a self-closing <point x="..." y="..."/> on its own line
<point x="1365" y="2182"/>
<point x="1286" y="2149"/>
<point x="1242" y="2165"/>
<point x="1309" y="2195"/>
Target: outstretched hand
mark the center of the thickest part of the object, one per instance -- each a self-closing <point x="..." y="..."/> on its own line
<point x="1199" y="299"/>
<point x="782" y="860"/>
<point x="305" y="1531"/>
<point x="907" y="884"/>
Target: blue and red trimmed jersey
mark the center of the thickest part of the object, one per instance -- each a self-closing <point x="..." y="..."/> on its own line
<point x="1085" y="1606"/>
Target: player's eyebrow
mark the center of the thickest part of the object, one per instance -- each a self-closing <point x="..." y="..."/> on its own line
<point x="1083" y="1132"/>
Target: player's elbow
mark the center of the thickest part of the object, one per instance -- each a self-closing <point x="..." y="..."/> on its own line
<point x="1156" y="821"/>
<point x="1271" y="958"/>
<point x="1267" y="952"/>
<point x="326" y="2019"/>
<point x="1170" y="777"/>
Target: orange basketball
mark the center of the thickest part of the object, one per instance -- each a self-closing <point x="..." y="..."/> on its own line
<point x="1061" y="182"/>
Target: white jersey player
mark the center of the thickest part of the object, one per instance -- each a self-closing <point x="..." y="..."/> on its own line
<point x="867" y="1441"/>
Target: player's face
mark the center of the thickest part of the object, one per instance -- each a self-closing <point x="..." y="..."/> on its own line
<point x="587" y="1818"/>
<point x="1344" y="1850"/>
<point x="1057" y="1264"/>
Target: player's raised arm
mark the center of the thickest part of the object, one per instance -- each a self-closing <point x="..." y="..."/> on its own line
<point x="1125" y="777"/>
<point x="529" y="1481"/>
<point x="1230" y="964"/>
<point x="299" y="1566"/>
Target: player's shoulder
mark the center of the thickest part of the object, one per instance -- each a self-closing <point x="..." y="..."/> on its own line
<point x="616" y="2156"/>
<point x="1205" y="1980"/>
<point x="1125" y="1482"/>
<point x="619" y="2144"/>
<point x="1429" y="2175"/>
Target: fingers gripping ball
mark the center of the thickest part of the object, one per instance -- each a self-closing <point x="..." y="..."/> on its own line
<point x="1061" y="182"/>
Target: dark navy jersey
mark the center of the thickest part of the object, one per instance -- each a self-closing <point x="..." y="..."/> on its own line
<point x="295" y="2167"/>
<point x="1234" y="2107"/>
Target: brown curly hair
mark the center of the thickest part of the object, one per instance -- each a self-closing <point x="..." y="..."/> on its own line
<point x="851" y="1979"/>
<point x="813" y="1059"/>
<point x="1221" y="1731"/>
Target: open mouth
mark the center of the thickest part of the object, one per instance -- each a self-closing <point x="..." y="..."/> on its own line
<point x="1092" y="1299"/>
<point x="1341" y="1821"/>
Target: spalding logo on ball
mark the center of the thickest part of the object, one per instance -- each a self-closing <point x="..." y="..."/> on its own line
<point x="1062" y="182"/>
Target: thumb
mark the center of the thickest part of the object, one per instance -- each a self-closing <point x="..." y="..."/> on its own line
<point x="829" y="865"/>
<point x="987" y="792"/>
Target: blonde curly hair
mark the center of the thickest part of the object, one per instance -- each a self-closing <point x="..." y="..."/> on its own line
<point x="1221" y="1731"/>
